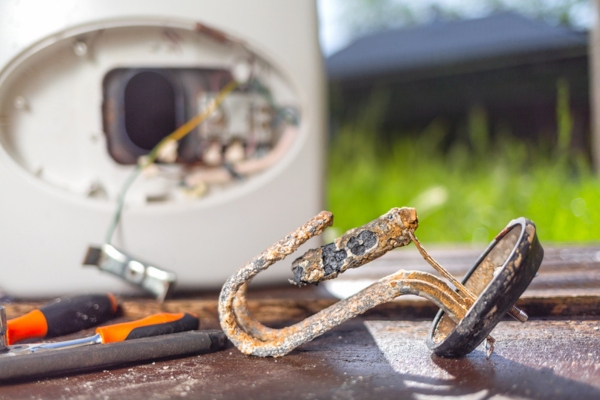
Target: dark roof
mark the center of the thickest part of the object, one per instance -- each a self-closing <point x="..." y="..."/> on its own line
<point x="452" y="42"/>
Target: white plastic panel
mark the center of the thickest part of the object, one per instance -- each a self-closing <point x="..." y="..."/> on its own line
<point x="51" y="105"/>
<point x="54" y="159"/>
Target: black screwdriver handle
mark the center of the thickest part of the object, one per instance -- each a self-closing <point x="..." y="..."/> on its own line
<point x="188" y="322"/>
<point x="73" y="314"/>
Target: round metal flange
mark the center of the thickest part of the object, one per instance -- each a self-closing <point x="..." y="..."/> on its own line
<point x="498" y="278"/>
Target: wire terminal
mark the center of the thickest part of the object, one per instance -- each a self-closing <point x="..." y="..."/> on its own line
<point x="154" y="280"/>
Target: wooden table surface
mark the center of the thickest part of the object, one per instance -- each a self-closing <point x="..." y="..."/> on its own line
<point x="382" y="354"/>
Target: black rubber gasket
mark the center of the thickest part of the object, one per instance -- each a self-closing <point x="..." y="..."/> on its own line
<point x="498" y="296"/>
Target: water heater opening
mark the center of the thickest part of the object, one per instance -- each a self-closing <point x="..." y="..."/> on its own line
<point x="149" y="109"/>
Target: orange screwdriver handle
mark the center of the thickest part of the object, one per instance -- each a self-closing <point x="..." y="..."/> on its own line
<point x="61" y="317"/>
<point x="154" y="325"/>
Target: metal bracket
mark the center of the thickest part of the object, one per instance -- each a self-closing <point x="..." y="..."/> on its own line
<point x="152" y="279"/>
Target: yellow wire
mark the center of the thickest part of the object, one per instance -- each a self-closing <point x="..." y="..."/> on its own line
<point x="176" y="135"/>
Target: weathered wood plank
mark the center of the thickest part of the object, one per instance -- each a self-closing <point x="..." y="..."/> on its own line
<point x="362" y="360"/>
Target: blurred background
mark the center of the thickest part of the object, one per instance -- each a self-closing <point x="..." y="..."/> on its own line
<point x="474" y="112"/>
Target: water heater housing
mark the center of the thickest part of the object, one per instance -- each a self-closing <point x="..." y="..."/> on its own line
<point x="86" y="88"/>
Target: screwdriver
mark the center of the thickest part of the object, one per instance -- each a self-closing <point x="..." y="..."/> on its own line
<point x="154" y="325"/>
<point x="62" y="316"/>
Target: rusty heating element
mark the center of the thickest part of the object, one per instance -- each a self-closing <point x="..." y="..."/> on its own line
<point x="355" y="248"/>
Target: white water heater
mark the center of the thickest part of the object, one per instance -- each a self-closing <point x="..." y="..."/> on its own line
<point x="88" y="88"/>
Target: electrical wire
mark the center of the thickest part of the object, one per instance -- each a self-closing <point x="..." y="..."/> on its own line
<point x="175" y="136"/>
<point x="284" y="113"/>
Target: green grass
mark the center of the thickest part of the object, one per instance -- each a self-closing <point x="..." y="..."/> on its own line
<point x="466" y="193"/>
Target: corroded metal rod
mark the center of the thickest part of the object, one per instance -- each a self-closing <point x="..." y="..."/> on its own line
<point x="514" y="312"/>
<point x="356" y="247"/>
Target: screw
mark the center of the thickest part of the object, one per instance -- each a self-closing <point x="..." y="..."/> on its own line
<point x="21" y="103"/>
<point x="80" y="48"/>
